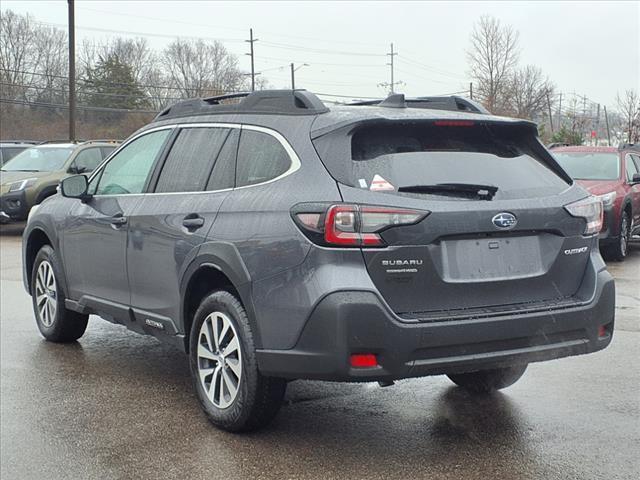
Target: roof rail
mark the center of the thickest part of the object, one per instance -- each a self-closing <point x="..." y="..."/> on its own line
<point x="29" y="142"/>
<point x="61" y="141"/>
<point x="102" y="140"/>
<point x="283" y="102"/>
<point x="629" y="146"/>
<point x="454" y="103"/>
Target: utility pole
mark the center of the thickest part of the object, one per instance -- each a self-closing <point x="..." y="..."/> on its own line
<point x="597" y="124"/>
<point x="471" y="90"/>
<point x="72" y="72"/>
<point x="560" y="113"/>
<point x="293" y="73"/>
<point x="550" y="117"/>
<point x="392" y="84"/>
<point x="606" y="118"/>
<point x="253" y="72"/>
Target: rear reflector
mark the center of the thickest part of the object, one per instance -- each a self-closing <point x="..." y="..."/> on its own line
<point x="364" y="360"/>
<point x="602" y="331"/>
<point x="453" y="123"/>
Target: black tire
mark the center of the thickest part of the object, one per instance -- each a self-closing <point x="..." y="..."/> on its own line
<point x="58" y="324"/>
<point x="619" y="250"/>
<point x="485" y="381"/>
<point x="258" y="398"/>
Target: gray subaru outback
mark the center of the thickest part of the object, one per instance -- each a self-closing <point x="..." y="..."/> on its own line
<point x="272" y="238"/>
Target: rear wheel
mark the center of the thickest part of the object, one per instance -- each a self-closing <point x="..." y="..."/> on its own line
<point x="55" y="322"/>
<point x="618" y="251"/>
<point x="232" y="392"/>
<point x="485" y="381"/>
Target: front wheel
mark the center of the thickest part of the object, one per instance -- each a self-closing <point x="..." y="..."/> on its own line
<point x="485" y="381"/>
<point x="232" y="392"/>
<point x="618" y="251"/>
<point x="55" y="322"/>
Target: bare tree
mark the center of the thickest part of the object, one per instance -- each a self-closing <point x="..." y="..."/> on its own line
<point x="199" y="68"/>
<point x="493" y="57"/>
<point x="53" y="64"/>
<point x="629" y="108"/>
<point x="529" y="93"/>
<point x="19" y="55"/>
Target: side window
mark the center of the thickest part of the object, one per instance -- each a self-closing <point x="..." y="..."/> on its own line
<point x="87" y="160"/>
<point x="106" y="151"/>
<point x="190" y="160"/>
<point x="224" y="170"/>
<point x="261" y="157"/>
<point x="127" y="172"/>
<point x="631" y="168"/>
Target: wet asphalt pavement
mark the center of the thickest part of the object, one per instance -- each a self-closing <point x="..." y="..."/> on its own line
<point x="117" y="405"/>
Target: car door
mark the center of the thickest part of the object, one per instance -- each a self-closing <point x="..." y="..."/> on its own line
<point x="171" y="221"/>
<point x="633" y="167"/>
<point x="95" y="234"/>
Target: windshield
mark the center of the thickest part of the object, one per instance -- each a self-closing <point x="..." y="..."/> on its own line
<point x="590" y="165"/>
<point x="39" y="159"/>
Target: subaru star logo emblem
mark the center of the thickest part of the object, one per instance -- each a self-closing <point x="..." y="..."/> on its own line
<point x="505" y="220"/>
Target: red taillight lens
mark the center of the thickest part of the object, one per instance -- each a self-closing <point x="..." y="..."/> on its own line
<point x="363" y="360"/>
<point x="359" y="226"/>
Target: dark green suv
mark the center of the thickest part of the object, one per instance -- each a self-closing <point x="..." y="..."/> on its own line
<point x="33" y="175"/>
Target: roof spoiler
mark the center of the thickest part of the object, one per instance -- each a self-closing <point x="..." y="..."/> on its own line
<point x="453" y="103"/>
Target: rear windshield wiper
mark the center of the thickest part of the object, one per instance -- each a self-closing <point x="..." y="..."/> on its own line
<point x="484" y="192"/>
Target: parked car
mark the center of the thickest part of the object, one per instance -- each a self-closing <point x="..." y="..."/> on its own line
<point x="33" y="174"/>
<point x="275" y="239"/>
<point x="10" y="148"/>
<point x="613" y="174"/>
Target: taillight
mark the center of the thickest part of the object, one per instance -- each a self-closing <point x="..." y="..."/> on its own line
<point x="345" y="225"/>
<point x="590" y="209"/>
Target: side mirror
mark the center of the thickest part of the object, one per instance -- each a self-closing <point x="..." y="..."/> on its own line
<point x="635" y="178"/>
<point x="75" y="187"/>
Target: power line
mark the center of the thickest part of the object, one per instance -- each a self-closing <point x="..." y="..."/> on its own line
<point x="84" y="92"/>
<point x="79" y="107"/>
<point x="106" y="83"/>
<point x="237" y="29"/>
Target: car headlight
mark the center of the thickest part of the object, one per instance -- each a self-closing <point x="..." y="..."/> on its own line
<point x="22" y="184"/>
<point x="591" y="210"/>
<point x="608" y="199"/>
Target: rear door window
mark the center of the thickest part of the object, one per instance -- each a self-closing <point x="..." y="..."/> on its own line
<point x="224" y="171"/>
<point x="261" y="157"/>
<point x="191" y="159"/>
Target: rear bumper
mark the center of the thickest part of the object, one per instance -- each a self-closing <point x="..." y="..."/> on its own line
<point x="349" y="322"/>
<point x="13" y="206"/>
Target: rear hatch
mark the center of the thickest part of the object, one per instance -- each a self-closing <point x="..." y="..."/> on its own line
<point x="497" y="236"/>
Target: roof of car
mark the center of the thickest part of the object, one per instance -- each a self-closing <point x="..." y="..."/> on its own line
<point x="586" y="149"/>
<point x="291" y="103"/>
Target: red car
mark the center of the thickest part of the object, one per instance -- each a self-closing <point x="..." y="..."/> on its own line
<point x="613" y="174"/>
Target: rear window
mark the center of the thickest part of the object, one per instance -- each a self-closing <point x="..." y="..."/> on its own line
<point x="590" y="165"/>
<point x="401" y="155"/>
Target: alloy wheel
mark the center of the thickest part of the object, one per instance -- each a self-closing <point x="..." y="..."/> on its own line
<point x="624" y="236"/>
<point x="46" y="293"/>
<point x="219" y="359"/>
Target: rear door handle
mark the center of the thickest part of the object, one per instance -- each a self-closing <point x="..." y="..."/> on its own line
<point x="193" y="222"/>
<point x="118" y="220"/>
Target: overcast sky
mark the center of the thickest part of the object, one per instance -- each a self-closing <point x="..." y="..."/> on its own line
<point x="592" y="48"/>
